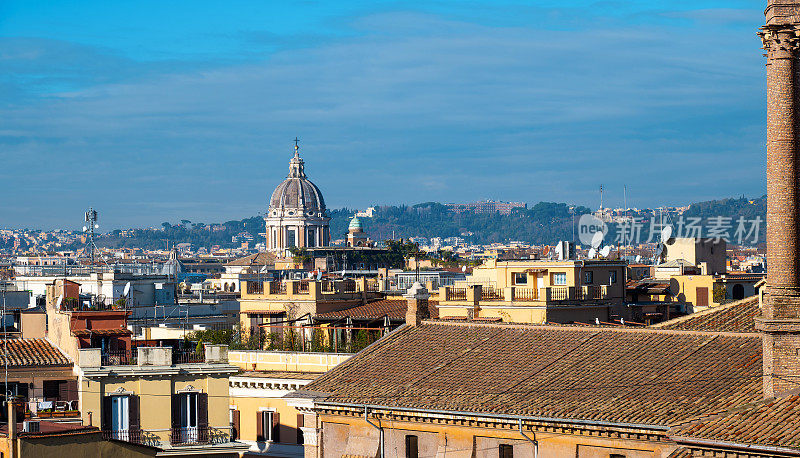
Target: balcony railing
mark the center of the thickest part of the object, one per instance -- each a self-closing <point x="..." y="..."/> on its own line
<point x="255" y="287"/>
<point x="526" y="294"/>
<point x="457" y="294"/>
<point x="490" y="293"/>
<point x="177" y="436"/>
<point x="136" y="436"/>
<point x="186" y="356"/>
<point x="118" y="357"/>
<point x="303" y="288"/>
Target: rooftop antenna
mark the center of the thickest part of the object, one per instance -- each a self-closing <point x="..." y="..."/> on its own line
<point x="625" y="204"/>
<point x="601" y="198"/>
<point x="91" y="224"/>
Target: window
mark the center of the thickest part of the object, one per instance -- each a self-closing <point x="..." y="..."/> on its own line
<point x="612" y="276"/>
<point x="520" y="278"/>
<point x="189" y="417"/>
<point x="312" y="237"/>
<point x="267" y="429"/>
<point x="616" y="455"/>
<point x="120" y="421"/>
<point x="291" y="238"/>
<point x="120" y="416"/>
<point x="234" y="421"/>
<point x="412" y="447"/>
<point x="560" y="278"/>
<point x="506" y="451"/>
<point x="588" y="277"/>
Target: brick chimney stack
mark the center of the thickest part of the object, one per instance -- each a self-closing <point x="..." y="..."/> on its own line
<point x="417" y="297"/>
<point x="780" y="322"/>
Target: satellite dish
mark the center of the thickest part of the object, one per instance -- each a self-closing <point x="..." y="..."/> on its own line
<point x="96" y="226"/>
<point x="85" y="228"/>
<point x="58" y="302"/>
<point x="592" y="253"/>
<point x="597" y="239"/>
<point x="638" y="258"/>
<point x="127" y="289"/>
<point x="559" y="251"/>
<point x="659" y="252"/>
<point x="605" y="251"/>
<point x="319" y="275"/>
<point x="666" y="235"/>
<point x="463" y="268"/>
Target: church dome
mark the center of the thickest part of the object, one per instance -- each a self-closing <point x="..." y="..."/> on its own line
<point x="297" y="192"/>
<point x="355" y="225"/>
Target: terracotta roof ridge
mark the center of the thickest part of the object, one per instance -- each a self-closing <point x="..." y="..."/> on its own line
<point x="708" y="311"/>
<point x="591" y="327"/>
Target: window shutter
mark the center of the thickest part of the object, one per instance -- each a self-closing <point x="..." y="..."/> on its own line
<point x="259" y="426"/>
<point x="202" y="410"/>
<point x="176" y="410"/>
<point x="202" y="416"/>
<point x="72" y="391"/>
<point x="133" y="413"/>
<point x="105" y="421"/>
<point x="235" y="432"/>
<point x="276" y="427"/>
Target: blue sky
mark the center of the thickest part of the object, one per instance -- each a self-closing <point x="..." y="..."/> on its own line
<point x="158" y="111"/>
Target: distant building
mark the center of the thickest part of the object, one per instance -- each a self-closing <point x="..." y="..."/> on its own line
<point x="487" y="206"/>
<point x="296" y="216"/>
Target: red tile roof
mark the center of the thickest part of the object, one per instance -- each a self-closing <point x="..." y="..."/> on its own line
<point x="623" y="375"/>
<point x="770" y="423"/>
<point x="737" y="316"/>
<point x="395" y="309"/>
<point x="31" y="352"/>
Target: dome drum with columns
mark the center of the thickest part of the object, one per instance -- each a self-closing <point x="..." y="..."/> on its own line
<point x="296" y="215"/>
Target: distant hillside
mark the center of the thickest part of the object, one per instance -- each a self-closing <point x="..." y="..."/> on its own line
<point x="545" y="222"/>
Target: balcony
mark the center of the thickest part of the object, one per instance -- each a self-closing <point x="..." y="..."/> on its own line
<point x="152" y="356"/>
<point x="176" y="437"/>
<point x="311" y="289"/>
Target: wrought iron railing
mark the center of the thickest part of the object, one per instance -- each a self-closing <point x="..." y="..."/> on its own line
<point x="490" y="293"/>
<point x="128" y="435"/>
<point x="255" y="287"/>
<point x="118" y="357"/>
<point x="457" y="294"/>
<point x="190" y="436"/>
<point x="187" y="355"/>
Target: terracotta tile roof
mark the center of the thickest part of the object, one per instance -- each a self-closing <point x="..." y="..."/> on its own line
<point x="681" y="452"/>
<point x="771" y="423"/>
<point x="31" y="352"/>
<point x="259" y="259"/>
<point x="395" y="309"/>
<point x="621" y="375"/>
<point x="737" y="316"/>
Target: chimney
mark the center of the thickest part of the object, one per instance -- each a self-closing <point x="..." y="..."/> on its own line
<point x="417" y="298"/>
<point x="780" y="323"/>
<point x="12" y="427"/>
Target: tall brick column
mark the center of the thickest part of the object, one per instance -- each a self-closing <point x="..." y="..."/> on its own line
<point x="780" y="322"/>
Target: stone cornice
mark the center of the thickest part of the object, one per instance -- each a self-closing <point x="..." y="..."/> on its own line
<point x="652" y="433"/>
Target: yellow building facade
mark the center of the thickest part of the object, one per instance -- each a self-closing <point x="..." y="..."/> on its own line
<point x="538" y="291"/>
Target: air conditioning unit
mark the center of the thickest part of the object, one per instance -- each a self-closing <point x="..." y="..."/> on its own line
<point x="30" y="426"/>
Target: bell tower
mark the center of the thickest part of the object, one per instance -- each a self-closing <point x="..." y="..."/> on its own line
<point x="780" y="323"/>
